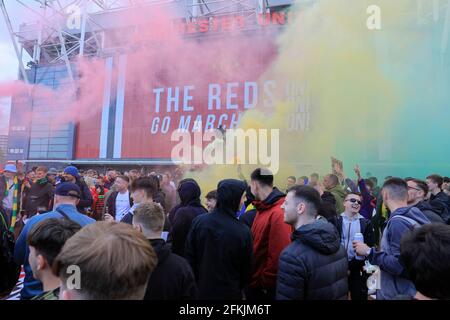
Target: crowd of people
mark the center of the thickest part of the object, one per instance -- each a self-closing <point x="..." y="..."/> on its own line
<point x="132" y="235"/>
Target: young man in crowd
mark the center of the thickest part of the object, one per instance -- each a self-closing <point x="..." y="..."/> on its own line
<point x="270" y="235"/>
<point x="143" y="190"/>
<point x="67" y="196"/>
<point x="290" y="182"/>
<point x="313" y="179"/>
<point x="119" y="202"/>
<point x="425" y="254"/>
<point x="417" y="191"/>
<point x="219" y="246"/>
<point x="331" y="184"/>
<point x="183" y="214"/>
<point x="114" y="261"/>
<point x="349" y="223"/>
<point x="85" y="201"/>
<point x="98" y="192"/>
<point x="211" y="200"/>
<point x="302" y="181"/>
<point x="51" y="176"/>
<point x="314" y="266"/>
<point x="40" y="195"/>
<point x="438" y="199"/>
<point x="172" y="278"/>
<point x="45" y="241"/>
<point x="170" y="191"/>
<point x="111" y="176"/>
<point x="133" y="174"/>
<point x="402" y="220"/>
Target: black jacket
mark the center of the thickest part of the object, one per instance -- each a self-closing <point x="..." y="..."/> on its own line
<point x="38" y="196"/>
<point x="160" y="197"/>
<point x="439" y="204"/>
<point x="368" y="232"/>
<point x="172" y="278"/>
<point x="328" y="208"/>
<point x="365" y="227"/>
<point x="181" y="218"/>
<point x="86" y="199"/>
<point x="248" y="216"/>
<point x="314" y="266"/>
<point x="111" y="203"/>
<point x="429" y="211"/>
<point x="219" y="247"/>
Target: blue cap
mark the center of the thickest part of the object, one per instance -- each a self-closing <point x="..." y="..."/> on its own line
<point x="68" y="189"/>
<point x="10" y="168"/>
<point x="73" y="171"/>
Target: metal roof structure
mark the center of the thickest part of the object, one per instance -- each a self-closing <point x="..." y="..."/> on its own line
<point x="64" y="29"/>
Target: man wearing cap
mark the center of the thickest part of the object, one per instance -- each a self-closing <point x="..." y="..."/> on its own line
<point x="10" y="188"/>
<point x="67" y="196"/>
<point x="51" y="176"/>
<point x="71" y="175"/>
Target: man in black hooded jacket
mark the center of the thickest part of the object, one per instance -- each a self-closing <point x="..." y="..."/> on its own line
<point x="219" y="247"/>
<point x="172" y="279"/>
<point x="182" y="215"/>
<point x="314" y="266"/>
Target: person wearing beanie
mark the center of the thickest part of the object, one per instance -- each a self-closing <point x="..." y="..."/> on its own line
<point x="86" y="200"/>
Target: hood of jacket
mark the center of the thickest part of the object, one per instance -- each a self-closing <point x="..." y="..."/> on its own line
<point x="189" y="192"/>
<point x="229" y="194"/>
<point x="319" y="235"/>
<point x="270" y="201"/>
<point x="162" y="250"/>
<point x="412" y="213"/>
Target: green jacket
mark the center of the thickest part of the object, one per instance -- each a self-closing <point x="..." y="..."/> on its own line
<point x="339" y="195"/>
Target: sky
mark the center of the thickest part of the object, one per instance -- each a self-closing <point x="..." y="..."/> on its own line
<point x="8" y="61"/>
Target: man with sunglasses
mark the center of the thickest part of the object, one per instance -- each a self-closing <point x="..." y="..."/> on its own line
<point x="349" y="223"/>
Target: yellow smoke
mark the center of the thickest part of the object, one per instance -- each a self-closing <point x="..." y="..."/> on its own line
<point x="329" y="49"/>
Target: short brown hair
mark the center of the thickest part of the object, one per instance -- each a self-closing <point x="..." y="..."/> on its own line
<point x="124" y="178"/>
<point x="436" y="179"/>
<point x="114" y="259"/>
<point x="150" y="215"/>
<point x="42" y="168"/>
<point x="354" y="193"/>
<point x="147" y="184"/>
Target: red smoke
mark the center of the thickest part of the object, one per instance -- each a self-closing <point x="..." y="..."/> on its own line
<point x="157" y="56"/>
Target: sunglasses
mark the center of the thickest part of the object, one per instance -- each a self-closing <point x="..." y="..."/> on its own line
<point x="354" y="201"/>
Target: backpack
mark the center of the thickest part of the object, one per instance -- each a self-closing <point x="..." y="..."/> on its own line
<point x="10" y="270"/>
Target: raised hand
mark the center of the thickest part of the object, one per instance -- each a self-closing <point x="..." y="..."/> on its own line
<point x="358" y="172"/>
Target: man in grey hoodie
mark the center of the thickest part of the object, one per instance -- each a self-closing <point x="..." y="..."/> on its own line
<point x="402" y="220"/>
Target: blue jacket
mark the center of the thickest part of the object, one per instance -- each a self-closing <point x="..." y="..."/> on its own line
<point x="31" y="286"/>
<point x="393" y="277"/>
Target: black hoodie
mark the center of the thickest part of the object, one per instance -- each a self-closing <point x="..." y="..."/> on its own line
<point x="181" y="218"/>
<point x="219" y="247"/>
<point x="314" y="266"/>
<point x="172" y="278"/>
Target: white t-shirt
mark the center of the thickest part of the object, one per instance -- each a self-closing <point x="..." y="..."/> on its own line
<point x="122" y="205"/>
